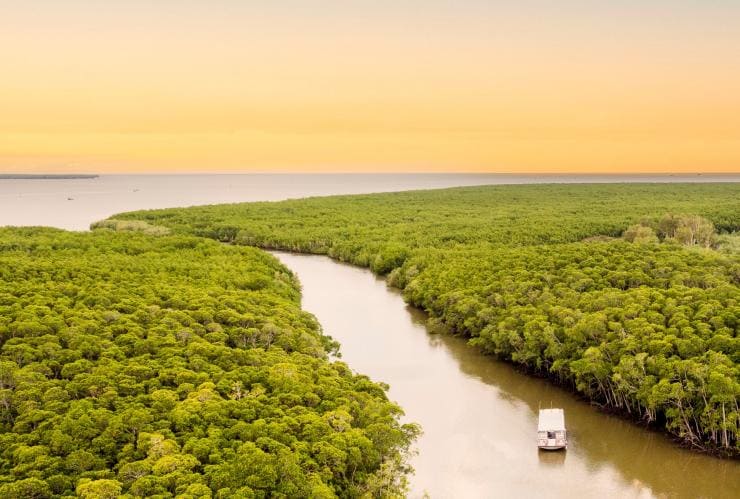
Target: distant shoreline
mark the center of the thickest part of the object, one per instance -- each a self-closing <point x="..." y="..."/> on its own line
<point x="31" y="176"/>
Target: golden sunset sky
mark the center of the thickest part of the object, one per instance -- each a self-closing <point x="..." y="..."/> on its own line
<point x="377" y="85"/>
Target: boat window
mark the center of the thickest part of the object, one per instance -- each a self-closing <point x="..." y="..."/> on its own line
<point x="550" y="434"/>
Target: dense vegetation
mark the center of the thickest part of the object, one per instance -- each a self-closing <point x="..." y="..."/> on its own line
<point x="616" y="290"/>
<point x="162" y="366"/>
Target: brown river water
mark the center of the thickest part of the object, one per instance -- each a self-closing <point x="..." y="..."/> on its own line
<point x="479" y="415"/>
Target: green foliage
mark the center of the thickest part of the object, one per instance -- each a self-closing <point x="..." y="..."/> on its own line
<point x="130" y="226"/>
<point x="360" y="228"/>
<point x="534" y="275"/>
<point x="729" y="243"/>
<point x="688" y="230"/>
<point x="98" y="489"/>
<point x="640" y="234"/>
<point x="176" y="366"/>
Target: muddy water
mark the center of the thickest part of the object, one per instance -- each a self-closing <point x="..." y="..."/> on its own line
<point x="480" y="416"/>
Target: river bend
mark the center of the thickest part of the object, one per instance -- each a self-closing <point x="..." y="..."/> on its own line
<point x="479" y="416"/>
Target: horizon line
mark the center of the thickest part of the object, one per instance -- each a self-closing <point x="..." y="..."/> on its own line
<point x="283" y="172"/>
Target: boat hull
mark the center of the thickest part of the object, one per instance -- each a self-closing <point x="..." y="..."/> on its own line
<point x="553" y="447"/>
<point x="552" y="444"/>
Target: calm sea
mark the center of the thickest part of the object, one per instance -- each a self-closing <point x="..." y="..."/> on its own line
<point x="74" y="204"/>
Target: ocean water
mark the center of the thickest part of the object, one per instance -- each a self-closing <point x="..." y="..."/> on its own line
<point x="75" y="203"/>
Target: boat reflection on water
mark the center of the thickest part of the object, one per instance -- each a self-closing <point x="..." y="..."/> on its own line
<point x="551" y="459"/>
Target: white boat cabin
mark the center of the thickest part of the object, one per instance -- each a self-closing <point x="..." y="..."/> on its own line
<point x="551" y="433"/>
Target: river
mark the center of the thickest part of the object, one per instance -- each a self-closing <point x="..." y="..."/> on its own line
<point x="479" y="415"/>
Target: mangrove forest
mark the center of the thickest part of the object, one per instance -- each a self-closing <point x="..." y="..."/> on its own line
<point x="629" y="294"/>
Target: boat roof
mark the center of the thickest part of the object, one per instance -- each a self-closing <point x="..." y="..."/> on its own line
<point x="551" y="420"/>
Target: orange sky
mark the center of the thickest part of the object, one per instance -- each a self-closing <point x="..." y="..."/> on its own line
<point x="530" y="86"/>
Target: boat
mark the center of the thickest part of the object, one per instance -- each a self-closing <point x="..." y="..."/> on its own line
<point x="551" y="432"/>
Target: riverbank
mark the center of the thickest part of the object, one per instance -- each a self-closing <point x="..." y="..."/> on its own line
<point x="152" y="365"/>
<point x="477" y="412"/>
<point x="517" y="270"/>
<point x="435" y="327"/>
